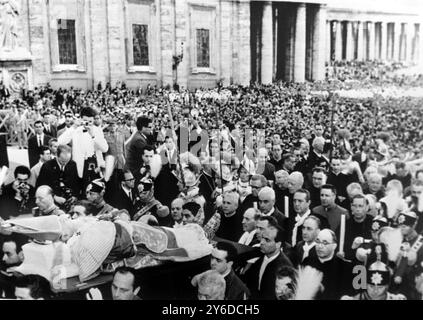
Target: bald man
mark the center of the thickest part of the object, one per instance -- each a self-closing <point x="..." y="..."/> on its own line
<point x="176" y="211"/>
<point x="267" y="200"/>
<point x="45" y="202"/>
<point x="337" y="273"/>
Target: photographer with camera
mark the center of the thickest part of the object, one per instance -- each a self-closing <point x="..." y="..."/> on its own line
<point x="17" y="197"/>
<point x="61" y="175"/>
<point x="88" y="146"/>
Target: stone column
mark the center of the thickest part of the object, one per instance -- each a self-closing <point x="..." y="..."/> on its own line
<point x="267" y="44"/>
<point x="397" y="40"/>
<point x="360" y="41"/>
<point x="181" y="37"/>
<point x="338" y="41"/>
<point x="98" y="16"/>
<point x="38" y="36"/>
<point x="245" y="47"/>
<point x="300" y="44"/>
<point x="328" y="40"/>
<point x="383" y="40"/>
<point x="350" y="41"/>
<point x="409" y="35"/>
<point x="115" y="36"/>
<point x="371" y="31"/>
<point x="225" y="42"/>
<point x="166" y="39"/>
<point x="319" y="44"/>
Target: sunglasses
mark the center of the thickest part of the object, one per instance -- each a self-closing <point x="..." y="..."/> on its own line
<point x="147" y="186"/>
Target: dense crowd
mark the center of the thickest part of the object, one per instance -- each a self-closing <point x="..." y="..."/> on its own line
<point x="314" y="182"/>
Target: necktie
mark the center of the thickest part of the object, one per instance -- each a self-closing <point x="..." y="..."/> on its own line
<point x="130" y="194"/>
<point x="39" y="141"/>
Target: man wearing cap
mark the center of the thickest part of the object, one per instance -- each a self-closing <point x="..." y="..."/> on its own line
<point x="95" y="195"/>
<point x="147" y="204"/>
<point x="412" y="252"/>
<point x="377" y="284"/>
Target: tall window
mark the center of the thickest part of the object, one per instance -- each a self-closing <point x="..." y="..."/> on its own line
<point x="67" y="41"/>
<point x="203" y="48"/>
<point x="140" y="43"/>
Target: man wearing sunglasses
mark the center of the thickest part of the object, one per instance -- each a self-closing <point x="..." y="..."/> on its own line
<point x="147" y="204"/>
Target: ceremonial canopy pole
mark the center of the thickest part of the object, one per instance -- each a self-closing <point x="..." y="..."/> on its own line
<point x="178" y="156"/>
<point x="332" y="99"/>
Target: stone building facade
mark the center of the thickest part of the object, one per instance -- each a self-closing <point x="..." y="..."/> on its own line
<point x="83" y="42"/>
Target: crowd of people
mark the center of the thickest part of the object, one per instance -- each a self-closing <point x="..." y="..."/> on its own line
<point x="315" y="183"/>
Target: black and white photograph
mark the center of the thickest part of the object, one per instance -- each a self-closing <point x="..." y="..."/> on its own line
<point x="236" y="151"/>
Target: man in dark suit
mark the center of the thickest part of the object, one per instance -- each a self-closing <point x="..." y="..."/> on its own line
<point x="49" y="128"/>
<point x="337" y="273"/>
<point x="222" y="261"/>
<point x="61" y="175"/>
<point x="17" y="197"/>
<point x="362" y="157"/>
<point x="124" y="197"/>
<point x="307" y="246"/>
<point x="261" y="276"/>
<point x="36" y="142"/>
<point x="135" y="146"/>
<point x="267" y="200"/>
<point x="316" y="158"/>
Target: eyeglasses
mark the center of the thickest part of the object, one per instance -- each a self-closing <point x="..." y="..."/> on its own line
<point x="255" y="187"/>
<point x="129" y="180"/>
<point x="323" y="243"/>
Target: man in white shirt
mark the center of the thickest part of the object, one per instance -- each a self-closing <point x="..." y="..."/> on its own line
<point x="302" y="209"/>
<point x="261" y="277"/>
<point x="249" y="221"/>
<point x="88" y="144"/>
<point x="307" y="246"/>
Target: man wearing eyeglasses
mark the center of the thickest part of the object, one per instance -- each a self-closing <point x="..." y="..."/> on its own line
<point x="124" y="197"/>
<point x="257" y="182"/>
<point x="337" y="273"/>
